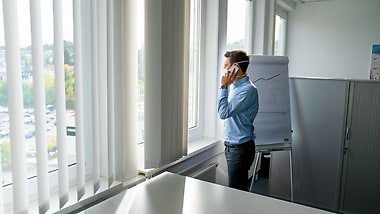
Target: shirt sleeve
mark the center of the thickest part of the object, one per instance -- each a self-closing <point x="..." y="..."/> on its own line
<point x="222" y="101"/>
<point x="238" y="103"/>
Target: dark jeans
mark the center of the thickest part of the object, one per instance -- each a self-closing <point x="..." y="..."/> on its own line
<point x="239" y="160"/>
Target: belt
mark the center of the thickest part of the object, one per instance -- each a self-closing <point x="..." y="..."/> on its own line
<point x="239" y="145"/>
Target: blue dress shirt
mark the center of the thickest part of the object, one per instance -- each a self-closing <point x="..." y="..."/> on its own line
<point x="239" y="111"/>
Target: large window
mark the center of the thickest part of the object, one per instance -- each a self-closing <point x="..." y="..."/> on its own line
<point x="141" y="73"/>
<point x="195" y="108"/>
<point x="28" y="85"/>
<point x="195" y="32"/>
<point x="194" y="75"/>
<point x="59" y="131"/>
<point x="194" y="72"/>
<point x="236" y="13"/>
<point x="140" y="84"/>
<point x="279" y="36"/>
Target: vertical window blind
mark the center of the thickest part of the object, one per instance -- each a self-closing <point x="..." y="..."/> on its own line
<point x="94" y="142"/>
<point x="104" y="58"/>
<point x="95" y="94"/>
<point x="166" y="81"/>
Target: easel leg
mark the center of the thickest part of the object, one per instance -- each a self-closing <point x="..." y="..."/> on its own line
<point x="291" y="174"/>
<point x="256" y="162"/>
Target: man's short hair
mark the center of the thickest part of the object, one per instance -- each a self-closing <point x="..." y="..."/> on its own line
<point x="238" y="56"/>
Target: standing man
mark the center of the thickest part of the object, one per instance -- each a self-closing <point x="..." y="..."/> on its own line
<point x="239" y="110"/>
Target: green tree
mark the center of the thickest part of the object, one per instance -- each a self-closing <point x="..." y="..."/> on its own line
<point x="48" y="54"/>
<point x="50" y="90"/>
<point x="69" y="84"/>
<point x="27" y="90"/>
<point x="5" y="154"/>
<point x="68" y="53"/>
<point x="49" y="87"/>
<point x="3" y="93"/>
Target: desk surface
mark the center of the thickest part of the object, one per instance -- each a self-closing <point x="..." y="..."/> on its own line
<point x="169" y="193"/>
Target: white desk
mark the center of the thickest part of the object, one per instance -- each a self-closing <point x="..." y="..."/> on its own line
<point x="169" y="193"/>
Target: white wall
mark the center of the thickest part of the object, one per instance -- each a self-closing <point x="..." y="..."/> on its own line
<point x="332" y="39"/>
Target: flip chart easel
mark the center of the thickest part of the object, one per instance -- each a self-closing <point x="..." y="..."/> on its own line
<point x="272" y="123"/>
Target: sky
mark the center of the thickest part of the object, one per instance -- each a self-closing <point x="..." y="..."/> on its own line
<point x="236" y="20"/>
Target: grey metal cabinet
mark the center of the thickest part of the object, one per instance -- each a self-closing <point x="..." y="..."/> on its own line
<point x="318" y="117"/>
<point x="336" y="144"/>
<point x="360" y="186"/>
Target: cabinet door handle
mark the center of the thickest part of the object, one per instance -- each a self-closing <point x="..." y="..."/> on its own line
<point x="347" y="139"/>
<point x="347" y="133"/>
<point x="345" y="150"/>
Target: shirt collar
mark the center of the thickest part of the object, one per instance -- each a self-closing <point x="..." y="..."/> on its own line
<point x="241" y="81"/>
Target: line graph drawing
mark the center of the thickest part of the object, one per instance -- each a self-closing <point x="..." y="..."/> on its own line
<point x="261" y="78"/>
<point x="270" y="76"/>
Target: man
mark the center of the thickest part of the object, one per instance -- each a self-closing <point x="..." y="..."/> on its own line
<point x="239" y="110"/>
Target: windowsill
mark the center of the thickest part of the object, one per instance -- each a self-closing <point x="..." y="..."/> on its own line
<point x="194" y="147"/>
<point x="104" y="192"/>
<point x="199" y="145"/>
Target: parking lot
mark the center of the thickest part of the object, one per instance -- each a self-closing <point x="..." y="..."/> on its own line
<point x="30" y="141"/>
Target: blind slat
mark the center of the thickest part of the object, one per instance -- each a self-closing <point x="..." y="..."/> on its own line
<point x="129" y="87"/>
<point x="60" y="103"/>
<point x="15" y="103"/>
<point x="39" y="106"/>
<point x="79" y="101"/>
<point x="95" y="99"/>
<point x="110" y="94"/>
<point x="1" y="189"/>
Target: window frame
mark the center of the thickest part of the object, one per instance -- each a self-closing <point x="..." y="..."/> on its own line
<point x="284" y="15"/>
<point x="212" y="47"/>
<point x="195" y="132"/>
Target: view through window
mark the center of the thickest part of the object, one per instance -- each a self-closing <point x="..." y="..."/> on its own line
<point x="141" y="72"/>
<point x="236" y="13"/>
<point x="195" y="24"/>
<point x="279" y="36"/>
<point x="27" y="86"/>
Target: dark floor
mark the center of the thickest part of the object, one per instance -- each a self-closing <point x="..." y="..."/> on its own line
<point x="260" y="186"/>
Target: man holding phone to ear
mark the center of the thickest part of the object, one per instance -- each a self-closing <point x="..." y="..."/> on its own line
<point x="238" y="110"/>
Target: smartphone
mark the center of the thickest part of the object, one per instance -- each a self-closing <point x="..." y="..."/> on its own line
<point x="234" y="69"/>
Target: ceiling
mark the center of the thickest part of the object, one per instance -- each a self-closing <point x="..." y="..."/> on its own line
<point x="307" y="1"/>
<point x="290" y="5"/>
